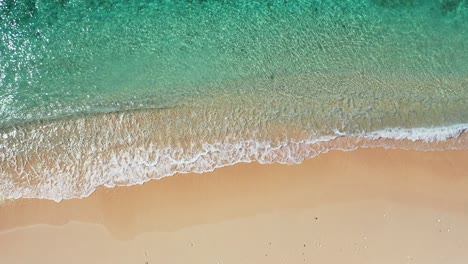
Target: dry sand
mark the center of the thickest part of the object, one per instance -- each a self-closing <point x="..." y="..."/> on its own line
<point x="364" y="206"/>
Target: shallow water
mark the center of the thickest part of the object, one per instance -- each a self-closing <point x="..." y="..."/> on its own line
<point x="120" y="92"/>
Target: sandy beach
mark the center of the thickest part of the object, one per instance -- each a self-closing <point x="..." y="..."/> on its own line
<point x="227" y="132"/>
<point x="364" y="206"/>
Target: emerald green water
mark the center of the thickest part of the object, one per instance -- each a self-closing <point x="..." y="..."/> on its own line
<point x="72" y="57"/>
<point x="221" y="71"/>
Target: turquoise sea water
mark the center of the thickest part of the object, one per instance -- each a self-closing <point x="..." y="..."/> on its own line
<point x="102" y="92"/>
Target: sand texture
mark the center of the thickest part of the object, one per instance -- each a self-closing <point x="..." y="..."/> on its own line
<point x="364" y="206"/>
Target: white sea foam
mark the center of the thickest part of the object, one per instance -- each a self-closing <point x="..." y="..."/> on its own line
<point x="138" y="165"/>
<point x="428" y="135"/>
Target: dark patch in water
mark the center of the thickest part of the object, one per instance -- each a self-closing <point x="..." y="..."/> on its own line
<point x="19" y="10"/>
<point x="449" y="6"/>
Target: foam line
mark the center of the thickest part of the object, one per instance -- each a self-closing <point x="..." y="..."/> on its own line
<point x="134" y="166"/>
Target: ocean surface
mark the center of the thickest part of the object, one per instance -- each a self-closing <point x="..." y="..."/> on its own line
<point x="103" y="93"/>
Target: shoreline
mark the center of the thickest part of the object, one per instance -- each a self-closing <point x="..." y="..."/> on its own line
<point x="116" y="165"/>
<point x="329" y="203"/>
<point x="71" y="158"/>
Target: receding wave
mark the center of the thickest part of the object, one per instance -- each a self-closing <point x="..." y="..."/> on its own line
<point x="71" y="159"/>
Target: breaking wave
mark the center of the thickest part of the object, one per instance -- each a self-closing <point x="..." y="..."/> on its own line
<point x="73" y="166"/>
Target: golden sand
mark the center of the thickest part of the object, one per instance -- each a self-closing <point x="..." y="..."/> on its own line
<point x="364" y="206"/>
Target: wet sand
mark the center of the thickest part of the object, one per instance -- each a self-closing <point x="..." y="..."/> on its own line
<point x="364" y="206"/>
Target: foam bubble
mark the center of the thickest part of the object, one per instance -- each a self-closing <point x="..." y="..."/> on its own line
<point x="428" y="135"/>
